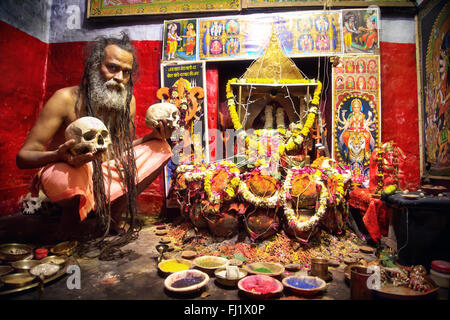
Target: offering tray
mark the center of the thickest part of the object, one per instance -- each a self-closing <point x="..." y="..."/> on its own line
<point x="405" y="293"/>
<point x="5" y="289"/>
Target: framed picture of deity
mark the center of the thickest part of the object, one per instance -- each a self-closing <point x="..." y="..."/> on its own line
<point x="356" y="129"/>
<point x="184" y="85"/>
<point x="319" y="3"/>
<point x="360" y="28"/>
<point x="433" y="26"/>
<point x="180" y="40"/>
<point x="111" y="8"/>
<point x="312" y="33"/>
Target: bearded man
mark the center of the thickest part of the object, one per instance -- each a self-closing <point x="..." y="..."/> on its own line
<point x="92" y="182"/>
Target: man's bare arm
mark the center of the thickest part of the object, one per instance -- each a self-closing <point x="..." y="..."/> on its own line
<point x="33" y="153"/>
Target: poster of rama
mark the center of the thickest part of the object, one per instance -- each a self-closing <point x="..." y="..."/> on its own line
<point x="109" y="8"/>
<point x="360" y="28"/>
<point x="180" y="40"/>
<point x="183" y="84"/>
<point x="245" y="37"/>
<point x="356" y="113"/>
<point x="434" y="37"/>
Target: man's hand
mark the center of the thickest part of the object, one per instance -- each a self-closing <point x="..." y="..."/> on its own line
<point x="162" y="131"/>
<point x="75" y="161"/>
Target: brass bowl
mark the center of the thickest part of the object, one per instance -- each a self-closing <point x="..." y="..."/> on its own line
<point x="171" y="281"/>
<point x="265" y="268"/>
<point x="15" y="251"/>
<point x="58" y="260"/>
<point x="209" y="264"/>
<point x="44" y="270"/>
<point x="221" y="277"/>
<point x="24" y="265"/>
<point x="64" y="248"/>
<point x="183" y="263"/>
<point x="5" y="270"/>
<point x="17" y="279"/>
<point x="292" y="284"/>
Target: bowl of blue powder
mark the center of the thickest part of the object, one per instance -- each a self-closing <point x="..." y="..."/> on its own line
<point x="304" y="285"/>
<point x="186" y="281"/>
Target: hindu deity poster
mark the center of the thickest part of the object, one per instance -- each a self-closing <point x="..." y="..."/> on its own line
<point x="434" y="38"/>
<point x="319" y="3"/>
<point x="356" y="113"/>
<point x="180" y="40"/>
<point x="360" y="29"/>
<point x="107" y="8"/>
<point x="183" y="84"/>
<point x="245" y="37"/>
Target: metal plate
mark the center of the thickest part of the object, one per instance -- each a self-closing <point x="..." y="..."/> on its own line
<point x="5" y="290"/>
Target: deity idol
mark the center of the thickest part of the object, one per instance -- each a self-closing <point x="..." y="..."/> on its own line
<point x="190" y="39"/>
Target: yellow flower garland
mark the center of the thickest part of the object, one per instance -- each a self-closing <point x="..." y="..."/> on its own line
<point x="231" y="186"/>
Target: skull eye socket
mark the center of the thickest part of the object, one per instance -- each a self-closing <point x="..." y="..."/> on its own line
<point x="104" y="133"/>
<point x="89" y="135"/>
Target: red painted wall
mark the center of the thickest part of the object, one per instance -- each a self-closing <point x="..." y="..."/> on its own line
<point x="22" y="94"/>
<point x="27" y="85"/>
<point x="399" y="105"/>
<point x="22" y="66"/>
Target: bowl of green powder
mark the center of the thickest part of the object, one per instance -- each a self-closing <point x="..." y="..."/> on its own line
<point x="266" y="268"/>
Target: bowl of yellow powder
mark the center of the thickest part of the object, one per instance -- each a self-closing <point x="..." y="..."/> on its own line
<point x="167" y="267"/>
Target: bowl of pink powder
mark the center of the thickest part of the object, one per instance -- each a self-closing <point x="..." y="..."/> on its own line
<point x="260" y="286"/>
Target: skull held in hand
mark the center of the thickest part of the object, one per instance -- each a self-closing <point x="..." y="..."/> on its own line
<point x="90" y="135"/>
<point x="162" y="111"/>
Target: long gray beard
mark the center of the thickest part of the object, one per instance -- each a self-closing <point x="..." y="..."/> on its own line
<point x="106" y="95"/>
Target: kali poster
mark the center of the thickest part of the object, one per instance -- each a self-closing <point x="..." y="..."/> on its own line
<point x="183" y="84"/>
<point x="434" y="44"/>
<point x="356" y="113"/>
<point x="180" y="40"/>
<point x="360" y="29"/>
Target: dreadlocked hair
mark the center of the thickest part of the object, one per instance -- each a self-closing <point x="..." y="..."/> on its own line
<point x="122" y="132"/>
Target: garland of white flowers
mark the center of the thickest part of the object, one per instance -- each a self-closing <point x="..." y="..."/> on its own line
<point x="191" y="172"/>
<point x="267" y="202"/>
<point x="290" y="214"/>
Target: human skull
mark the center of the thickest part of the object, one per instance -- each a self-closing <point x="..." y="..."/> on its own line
<point x="162" y="111"/>
<point x="90" y="135"/>
<point x="31" y="205"/>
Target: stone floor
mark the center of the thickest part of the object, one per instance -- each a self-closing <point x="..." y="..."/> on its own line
<point x="135" y="276"/>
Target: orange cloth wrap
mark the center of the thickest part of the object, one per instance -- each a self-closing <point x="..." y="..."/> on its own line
<point x="61" y="181"/>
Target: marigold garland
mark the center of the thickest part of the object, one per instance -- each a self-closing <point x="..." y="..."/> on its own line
<point x="229" y="192"/>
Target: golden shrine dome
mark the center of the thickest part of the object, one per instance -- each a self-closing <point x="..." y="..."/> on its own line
<point x="273" y="64"/>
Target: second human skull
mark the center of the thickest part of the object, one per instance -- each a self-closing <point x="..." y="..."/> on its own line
<point x="162" y="111"/>
<point x="90" y="135"/>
